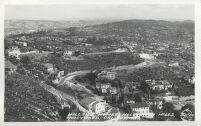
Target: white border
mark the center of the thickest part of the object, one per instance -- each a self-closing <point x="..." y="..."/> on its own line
<point x="197" y="59"/>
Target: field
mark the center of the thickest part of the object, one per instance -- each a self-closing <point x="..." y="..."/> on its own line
<point x="102" y="61"/>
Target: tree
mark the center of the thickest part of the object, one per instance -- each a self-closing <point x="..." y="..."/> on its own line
<point x="145" y="88"/>
<point x="25" y="60"/>
<point x="21" y="70"/>
<point x="64" y="113"/>
<point x="138" y="97"/>
<point x="168" y="107"/>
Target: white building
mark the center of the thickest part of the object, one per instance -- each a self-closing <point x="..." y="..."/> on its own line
<point x="58" y="77"/>
<point x="158" y="103"/>
<point x="173" y="64"/>
<point x="68" y="53"/>
<point x="170" y="98"/>
<point x="94" y="105"/>
<point x="103" y="87"/>
<point x="15" y="52"/>
<point x="147" y="56"/>
<point x="159" y="85"/>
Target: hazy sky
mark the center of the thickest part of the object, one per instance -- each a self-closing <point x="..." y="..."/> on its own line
<point x="95" y="11"/>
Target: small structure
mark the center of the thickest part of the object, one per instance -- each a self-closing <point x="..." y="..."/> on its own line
<point x="170" y="98"/>
<point x="103" y="87"/>
<point x="59" y="76"/>
<point x="113" y="90"/>
<point x="9" y="67"/>
<point x="68" y="53"/>
<point x="22" y="43"/>
<point x="94" y="105"/>
<point x="141" y="110"/>
<point x="49" y="67"/>
<point x="157" y="103"/>
<point x="107" y="75"/>
<point x="192" y="80"/>
<point x="173" y="64"/>
<point x="15" y="52"/>
<point x="147" y="56"/>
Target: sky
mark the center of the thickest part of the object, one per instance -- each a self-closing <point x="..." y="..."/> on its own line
<point x="100" y="11"/>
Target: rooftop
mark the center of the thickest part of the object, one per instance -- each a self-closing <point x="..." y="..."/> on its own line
<point x="87" y="101"/>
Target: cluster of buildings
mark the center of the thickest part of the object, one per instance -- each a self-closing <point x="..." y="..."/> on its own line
<point x="51" y="69"/>
<point x="159" y="85"/>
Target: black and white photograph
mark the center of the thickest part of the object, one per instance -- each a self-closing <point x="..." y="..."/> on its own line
<point x="99" y="62"/>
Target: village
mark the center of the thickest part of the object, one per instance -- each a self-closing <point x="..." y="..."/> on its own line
<point x="98" y="78"/>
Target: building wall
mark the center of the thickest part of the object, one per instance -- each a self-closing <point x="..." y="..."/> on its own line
<point x="100" y="107"/>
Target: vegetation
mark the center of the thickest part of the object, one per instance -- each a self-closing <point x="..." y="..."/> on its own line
<point x="26" y="100"/>
<point x="102" y="61"/>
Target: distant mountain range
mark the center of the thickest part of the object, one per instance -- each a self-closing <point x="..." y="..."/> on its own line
<point x="138" y="30"/>
<point x="22" y="26"/>
<point x="144" y="30"/>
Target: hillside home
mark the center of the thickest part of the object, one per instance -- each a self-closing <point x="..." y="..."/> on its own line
<point x="173" y="64"/>
<point x="107" y="75"/>
<point x="157" y="103"/>
<point x="68" y="53"/>
<point x="22" y="43"/>
<point x="113" y="90"/>
<point x="59" y="76"/>
<point x="49" y="67"/>
<point x="103" y="87"/>
<point x="147" y="56"/>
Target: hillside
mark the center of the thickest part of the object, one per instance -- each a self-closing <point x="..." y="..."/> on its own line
<point x="146" y="30"/>
<point x="26" y="100"/>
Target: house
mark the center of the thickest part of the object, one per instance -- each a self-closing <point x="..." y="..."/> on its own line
<point x="59" y="76"/>
<point x="22" y="43"/>
<point x="9" y="67"/>
<point x="113" y="90"/>
<point x="103" y="87"/>
<point x="49" y="67"/>
<point x="147" y="56"/>
<point x="141" y="109"/>
<point x="170" y="98"/>
<point x="173" y="64"/>
<point x="68" y="53"/>
<point x="107" y="75"/>
<point x="15" y="52"/>
<point x="94" y="105"/>
<point x="157" y="103"/>
<point x="192" y="80"/>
